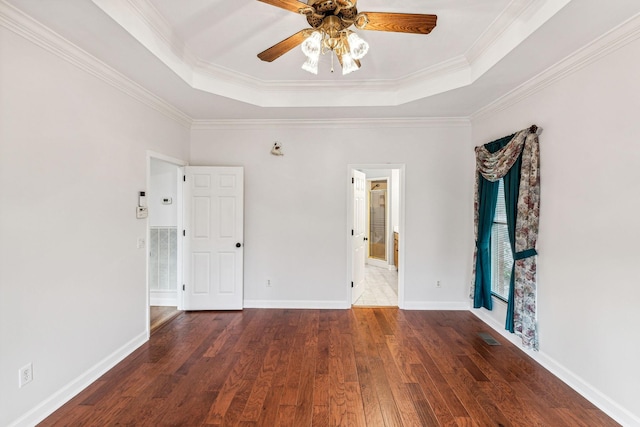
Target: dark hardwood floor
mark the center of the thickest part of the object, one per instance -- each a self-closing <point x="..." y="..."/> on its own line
<point x="359" y="367"/>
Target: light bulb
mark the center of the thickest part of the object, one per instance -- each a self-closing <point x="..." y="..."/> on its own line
<point x="311" y="45"/>
<point x="311" y="65"/>
<point x="358" y="47"/>
<point x="348" y="64"/>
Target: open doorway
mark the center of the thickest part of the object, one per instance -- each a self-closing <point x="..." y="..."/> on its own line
<point x="163" y="263"/>
<point x="381" y="283"/>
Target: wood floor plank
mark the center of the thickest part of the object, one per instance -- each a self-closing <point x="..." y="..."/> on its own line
<point x="337" y="392"/>
<point x="241" y="377"/>
<point x="294" y="370"/>
<point x="442" y="387"/>
<point x="304" y="407"/>
<point x="368" y="391"/>
<point x="433" y="396"/>
<point x="320" y="416"/>
<point x="321" y="374"/>
<point x="399" y="388"/>
<point x="355" y="407"/>
<point x="380" y="367"/>
<point x="424" y="410"/>
<point x="262" y="384"/>
<point x="372" y="335"/>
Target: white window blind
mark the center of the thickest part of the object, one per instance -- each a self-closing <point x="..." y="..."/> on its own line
<point x="501" y="256"/>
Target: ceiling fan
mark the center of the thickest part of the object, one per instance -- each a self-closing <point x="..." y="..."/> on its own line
<point x="330" y="21"/>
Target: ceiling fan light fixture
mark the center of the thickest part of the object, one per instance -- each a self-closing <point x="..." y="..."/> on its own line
<point x="311" y="65"/>
<point x="348" y="64"/>
<point x="330" y="21"/>
<point x="358" y="47"/>
<point x="312" y="45"/>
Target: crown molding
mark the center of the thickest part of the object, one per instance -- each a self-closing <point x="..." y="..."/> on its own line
<point x="161" y="28"/>
<point x="609" y="42"/>
<point x="26" y="27"/>
<point x="409" y="122"/>
<point x="497" y="29"/>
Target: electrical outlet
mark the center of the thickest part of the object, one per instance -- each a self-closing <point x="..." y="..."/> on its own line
<point x="25" y="375"/>
<point x="141" y="243"/>
<point x="438" y="285"/>
<point x="268" y="283"/>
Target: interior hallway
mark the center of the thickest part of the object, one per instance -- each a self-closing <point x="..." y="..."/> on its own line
<point x="381" y="287"/>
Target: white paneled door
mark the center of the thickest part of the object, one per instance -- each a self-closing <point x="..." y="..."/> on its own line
<point x="358" y="256"/>
<point x="213" y="238"/>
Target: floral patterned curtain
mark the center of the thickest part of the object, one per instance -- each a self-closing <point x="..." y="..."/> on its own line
<point x="493" y="166"/>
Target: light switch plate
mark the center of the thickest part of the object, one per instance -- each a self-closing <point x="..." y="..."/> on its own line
<point x="142" y="212"/>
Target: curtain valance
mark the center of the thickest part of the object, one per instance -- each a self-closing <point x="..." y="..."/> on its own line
<point x="493" y="166"/>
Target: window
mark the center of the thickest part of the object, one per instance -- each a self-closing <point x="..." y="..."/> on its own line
<point x="501" y="256"/>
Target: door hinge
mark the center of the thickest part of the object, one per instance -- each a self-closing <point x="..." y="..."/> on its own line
<point x="184" y="233"/>
<point x="353" y="180"/>
<point x="352" y="231"/>
<point x="184" y="178"/>
<point x="183" y="287"/>
<point x="352" y="284"/>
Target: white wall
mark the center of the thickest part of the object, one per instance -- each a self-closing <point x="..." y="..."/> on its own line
<point x="296" y="207"/>
<point x="72" y="282"/>
<point x="589" y="281"/>
<point x="163" y="183"/>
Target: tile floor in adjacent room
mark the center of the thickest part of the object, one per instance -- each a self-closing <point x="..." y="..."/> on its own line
<point x="381" y="287"/>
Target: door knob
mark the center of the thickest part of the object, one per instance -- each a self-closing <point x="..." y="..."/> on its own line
<point x="238" y="245"/>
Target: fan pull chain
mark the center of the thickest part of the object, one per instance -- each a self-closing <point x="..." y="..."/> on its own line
<point x="332" y="62"/>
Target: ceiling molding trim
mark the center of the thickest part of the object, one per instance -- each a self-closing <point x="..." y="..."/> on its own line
<point x="443" y="77"/>
<point x="613" y="40"/>
<point x="408" y="122"/>
<point x="156" y="22"/>
<point x="496" y="30"/>
<point x="438" y="71"/>
<point x="26" y="27"/>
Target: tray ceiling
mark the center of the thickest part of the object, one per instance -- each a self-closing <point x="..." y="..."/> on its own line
<point x="200" y="55"/>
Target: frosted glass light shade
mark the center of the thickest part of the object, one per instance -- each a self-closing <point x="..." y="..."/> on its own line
<point x="311" y="65"/>
<point x="357" y="46"/>
<point x="311" y="45"/>
<point x="348" y="64"/>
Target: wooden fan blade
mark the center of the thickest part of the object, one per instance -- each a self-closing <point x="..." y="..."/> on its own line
<point x="279" y="49"/>
<point x="414" y="23"/>
<point x="292" y="5"/>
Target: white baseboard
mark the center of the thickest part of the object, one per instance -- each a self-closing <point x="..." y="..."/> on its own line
<point x="66" y="393"/>
<point x="603" y="402"/>
<point x="436" y="305"/>
<point x="341" y="305"/>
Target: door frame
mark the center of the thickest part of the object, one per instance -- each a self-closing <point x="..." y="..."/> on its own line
<point x="179" y="163"/>
<point x="401" y="225"/>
